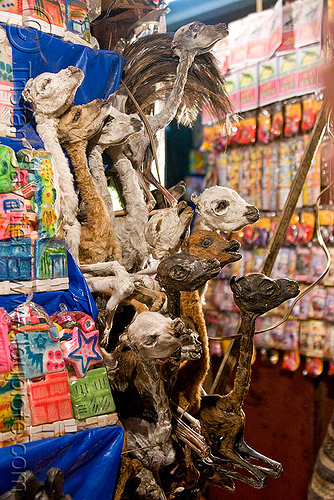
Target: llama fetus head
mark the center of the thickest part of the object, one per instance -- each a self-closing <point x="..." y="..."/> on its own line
<point x="52" y="93"/>
<point x="223" y="209"/>
<point x="257" y="293"/>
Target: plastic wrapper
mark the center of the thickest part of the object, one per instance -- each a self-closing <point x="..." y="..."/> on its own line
<point x="277" y="121"/>
<point x="263" y="126"/>
<point x="91" y="459"/>
<point x="291" y="361"/>
<point x="313" y="367"/>
<point x="317" y="306"/>
<point x="293" y="115"/>
<point x="303" y="263"/>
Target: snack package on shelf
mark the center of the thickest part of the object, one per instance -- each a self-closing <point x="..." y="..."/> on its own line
<point x="261" y="232"/>
<point x="311" y="105"/>
<point x="292" y="232"/>
<point x="291" y="361"/>
<point x="277" y="121"/>
<point x="329" y="278"/>
<point x="306" y="227"/>
<point x="318" y="302"/>
<point x="329" y="311"/>
<point x="313" y="367"/>
<point x="318" y="262"/>
<point x="285" y="177"/>
<point x="303" y="263"/>
<point x="311" y="189"/>
<point x="248" y="129"/>
<point x="263" y="126"/>
<point x="264" y="340"/>
<point x="293" y="116"/>
<point x="326" y="221"/>
<point x="285" y="263"/>
<point x="290" y="335"/>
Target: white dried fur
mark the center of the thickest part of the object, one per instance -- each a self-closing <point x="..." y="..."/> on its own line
<point x="51" y="95"/>
<point x="223" y="209"/>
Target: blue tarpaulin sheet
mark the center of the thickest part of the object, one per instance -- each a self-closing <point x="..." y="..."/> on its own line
<point x="35" y="52"/>
<point x="77" y="297"/>
<point x="89" y="460"/>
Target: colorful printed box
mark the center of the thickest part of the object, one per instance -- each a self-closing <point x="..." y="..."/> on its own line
<point x="40" y="353"/>
<point x="49" y="399"/>
<point x="91" y="395"/>
<point x="10" y="400"/>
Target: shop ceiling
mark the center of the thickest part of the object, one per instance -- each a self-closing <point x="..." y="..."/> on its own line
<point x="209" y="11"/>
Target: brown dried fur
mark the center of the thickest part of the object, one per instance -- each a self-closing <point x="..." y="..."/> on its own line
<point x="192" y="374"/>
<point x="98" y="243"/>
<point x="150" y="61"/>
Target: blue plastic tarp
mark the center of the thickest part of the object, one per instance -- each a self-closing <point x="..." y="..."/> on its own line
<point x="89" y="460"/>
<point x="35" y="52"/>
<point x="77" y="297"/>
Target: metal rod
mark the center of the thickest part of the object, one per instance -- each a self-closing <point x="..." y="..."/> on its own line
<point x="278" y="237"/>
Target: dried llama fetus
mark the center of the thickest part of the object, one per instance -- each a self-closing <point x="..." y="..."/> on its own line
<point x="188" y="42"/>
<point x="222" y="209"/>
<point x="141" y="371"/>
<point x="51" y="94"/>
<point x="222" y="418"/>
<point x="167" y="229"/>
<point x="76" y="126"/>
<point x="182" y="272"/>
<point x="207" y="245"/>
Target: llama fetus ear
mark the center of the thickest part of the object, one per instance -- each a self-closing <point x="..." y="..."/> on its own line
<point x="178" y="326"/>
<point x="194" y="198"/>
<point x="124" y="338"/>
<point x="26" y="91"/>
<point x="236" y="289"/>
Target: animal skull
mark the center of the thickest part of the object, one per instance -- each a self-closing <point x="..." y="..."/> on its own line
<point x="53" y="93"/>
<point x="222" y="209"/>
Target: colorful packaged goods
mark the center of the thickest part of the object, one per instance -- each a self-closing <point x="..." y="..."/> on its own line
<point x="91" y="395"/>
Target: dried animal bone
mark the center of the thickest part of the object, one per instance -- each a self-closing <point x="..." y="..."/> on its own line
<point x="141" y="369"/>
<point x="188" y="42"/>
<point x="167" y="229"/>
<point x="51" y="94"/>
<point x="78" y="124"/>
<point x="222" y="417"/>
<point x="222" y="209"/>
<point x="190" y="377"/>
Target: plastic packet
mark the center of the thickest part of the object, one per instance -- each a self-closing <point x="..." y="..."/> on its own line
<point x="313" y="367"/>
<point x="248" y="129"/>
<point x="69" y="319"/>
<point x="306" y="227"/>
<point x="293" y="115"/>
<point x="277" y="122"/>
<point x="263" y="126"/>
<point x="291" y="361"/>
<point x="317" y="306"/>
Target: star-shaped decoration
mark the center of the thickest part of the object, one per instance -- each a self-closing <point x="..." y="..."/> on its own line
<point x="40" y="341"/>
<point x="82" y="350"/>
